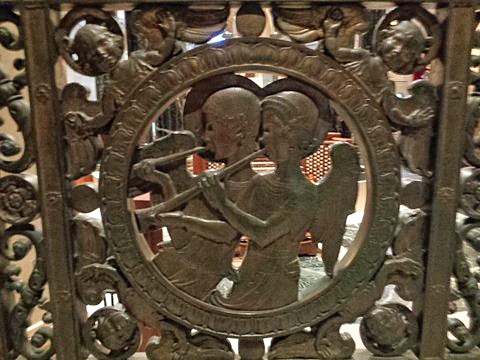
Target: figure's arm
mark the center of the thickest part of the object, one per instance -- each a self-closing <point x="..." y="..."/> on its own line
<point x="214" y="230"/>
<point x="165" y="48"/>
<point x="100" y="120"/>
<point x="83" y="123"/>
<point x="146" y="170"/>
<point x="418" y="118"/>
<point x="299" y="33"/>
<point x="262" y="232"/>
<point x="331" y="44"/>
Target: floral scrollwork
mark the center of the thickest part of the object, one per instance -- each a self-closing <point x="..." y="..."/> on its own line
<point x="18" y="199"/>
<point x="19" y="111"/>
<point x="177" y="343"/>
<point x="470" y="191"/>
<point x="96" y="279"/>
<point x="323" y="342"/>
<point x="110" y="333"/>
<point x="471" y="154"/>
<point x="465" y="338"/>
<point x="8" y="39"/>
<point x="40" y="346"/>
<point x="12" y="100"/>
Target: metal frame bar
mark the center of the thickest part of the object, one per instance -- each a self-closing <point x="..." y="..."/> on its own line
<point x="446" y="187"/>
<point x="52" y="181"/>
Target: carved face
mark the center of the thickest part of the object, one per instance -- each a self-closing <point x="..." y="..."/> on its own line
<point x="115" y="331"/>
<point x="231" y="118"/>
<point x="292" y="126"/>
<point x="387" y="326"/>
<point x="274" y="137"/>
<point x="97" y="48"/>
<point x="401" y="47"/>
<point x="221" y="139"/>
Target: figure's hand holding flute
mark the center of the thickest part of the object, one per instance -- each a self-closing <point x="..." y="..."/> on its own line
<point x="146" y="217"/>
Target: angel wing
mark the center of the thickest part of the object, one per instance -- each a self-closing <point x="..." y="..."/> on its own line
<point x="336" y="196"/>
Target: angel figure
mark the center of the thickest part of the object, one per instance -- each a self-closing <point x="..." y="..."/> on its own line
<point x="156" y="34"/>
<point x="277" y="209"/>
<point x="398" y="49"/>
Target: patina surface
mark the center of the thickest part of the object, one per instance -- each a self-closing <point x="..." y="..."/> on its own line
<point x="231" y="265"/>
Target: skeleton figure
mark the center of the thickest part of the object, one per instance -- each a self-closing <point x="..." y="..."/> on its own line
<point x="279" y="208"/>
<point x="202" y="246"/>
<point x="399" y="49"/>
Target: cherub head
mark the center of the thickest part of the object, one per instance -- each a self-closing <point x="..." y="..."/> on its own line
<point x="386" y="325"/>
<point x="293" y="126"/>
<point x="152" y="26"/>
<point x="231" y="121"/>
<point x="401" y="47"/>
<point x="97" y="49"/>
<point x="116" y="330"/>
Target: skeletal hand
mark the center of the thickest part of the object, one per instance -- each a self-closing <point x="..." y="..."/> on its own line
<point x="212" y="189"/>
<point x="76" y="120"/>
<point x="145" y="170"/>
<point x="422" y="117"/>
<point x="331" y="26"/>
<point x="167" y="24"/>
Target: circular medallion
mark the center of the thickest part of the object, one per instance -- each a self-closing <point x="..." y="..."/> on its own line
<point x="377" y="148"/>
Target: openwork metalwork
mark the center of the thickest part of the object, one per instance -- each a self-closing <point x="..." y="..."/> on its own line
<point x="182" y="186"/>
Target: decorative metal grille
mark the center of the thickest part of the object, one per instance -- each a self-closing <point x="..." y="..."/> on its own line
<point x="380" y="230"/>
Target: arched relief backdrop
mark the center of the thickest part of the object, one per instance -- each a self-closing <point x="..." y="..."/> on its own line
<point x="197" y="257"/>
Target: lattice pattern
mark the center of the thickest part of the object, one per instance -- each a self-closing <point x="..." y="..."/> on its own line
<point x="314" y="167"/>
<point x="317" y="165"/>
<point x="215" y="165"/>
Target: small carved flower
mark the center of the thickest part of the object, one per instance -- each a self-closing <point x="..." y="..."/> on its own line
<point x="17" y="202"/>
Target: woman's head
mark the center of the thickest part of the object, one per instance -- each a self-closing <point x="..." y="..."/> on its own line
<point x="293" y="125"/>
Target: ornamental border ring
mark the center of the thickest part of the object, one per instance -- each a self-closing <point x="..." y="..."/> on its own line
<point x="368" y="123"/>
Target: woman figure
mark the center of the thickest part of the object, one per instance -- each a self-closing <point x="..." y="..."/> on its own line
<point x="279" y="208"/>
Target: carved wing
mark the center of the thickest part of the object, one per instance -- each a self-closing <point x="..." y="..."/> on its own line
<point x="336" y="197"/>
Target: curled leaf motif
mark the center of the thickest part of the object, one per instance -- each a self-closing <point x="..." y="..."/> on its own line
<point x="19" y="111"/>
<point x="470" y="192"/>
<point x="40" y="345"/>
<point x="464" y="338"/>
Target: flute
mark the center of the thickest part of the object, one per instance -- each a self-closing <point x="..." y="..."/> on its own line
<point x="183" y="197"/>
<point x="172" y="157"/>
